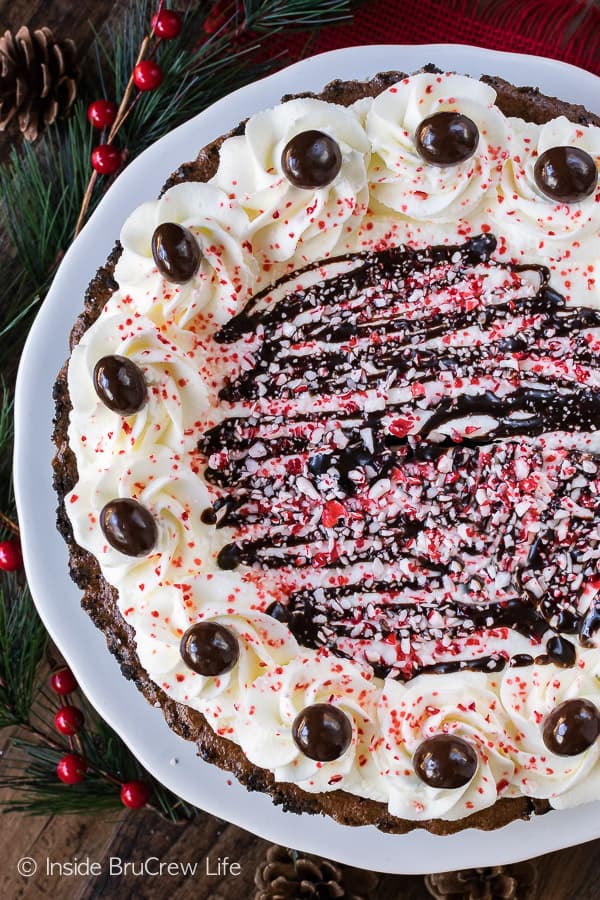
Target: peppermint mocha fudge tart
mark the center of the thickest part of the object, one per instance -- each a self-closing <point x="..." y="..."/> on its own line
<point x="327" y="461"/>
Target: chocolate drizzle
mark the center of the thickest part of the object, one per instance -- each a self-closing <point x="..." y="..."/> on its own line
<point x="385" y="456"/>
<point x="322" y="618"/>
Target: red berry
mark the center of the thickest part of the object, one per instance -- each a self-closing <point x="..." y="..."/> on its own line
<point x="166" y="24"/>
<point x="71" y="768"/>
<point x="147" y="75"/>
<point x="68" y="720"/>
<point x="135" y="794"/>
<point x="106" y="159"/>
<point x="11" y="558"/>
<point x="102" y="113"/>
<point x="63" y="681"/>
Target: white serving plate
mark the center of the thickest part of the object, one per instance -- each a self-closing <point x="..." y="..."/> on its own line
<point x="169" y="758"/>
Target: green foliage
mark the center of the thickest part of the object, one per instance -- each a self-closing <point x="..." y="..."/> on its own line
<point x="30" y="774"/>
<point x="265" y="15"/>
<point x="22" y="644"/>
<point x="6" y="440"/>
<point x="31" y="777"/>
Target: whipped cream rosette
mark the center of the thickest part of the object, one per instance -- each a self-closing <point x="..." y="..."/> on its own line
<point x="465" y="708"/>
<point x="401" y="179"/>
<point x="545" y="227"/>
<point x="288" y="222"/>
<point x="226" y="269"/>
<point x="165" y="485"/>
<point x="529" y="697"/>
<point x="563" y="236"/>
<point x="175" y="394"/>
<point x="264" y="644"/>
<point x="272" y="703"/>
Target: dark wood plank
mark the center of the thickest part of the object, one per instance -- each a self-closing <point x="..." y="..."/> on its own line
<point x="50" y="838"/>
<point x="69" y="19"/>
<point x="198" y="845"/>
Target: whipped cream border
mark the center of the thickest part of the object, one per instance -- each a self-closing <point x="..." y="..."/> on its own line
<point x="254" y="227"/>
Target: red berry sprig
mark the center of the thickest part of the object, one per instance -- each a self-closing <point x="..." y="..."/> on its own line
<point x="71" y="768"/>
<point x="135" y="794"/>
<point x="68" y="720"/>
<point x="11" y="557"/>
<point x="63" y="681"/>
<point x="147" y="75"/>
<point x="166" y="24"/>
<point x="102" y="113"/>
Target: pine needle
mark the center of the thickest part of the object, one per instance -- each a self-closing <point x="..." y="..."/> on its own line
<point x="22" y="643"/>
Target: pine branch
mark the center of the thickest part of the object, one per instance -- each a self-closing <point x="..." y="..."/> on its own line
<point x="6" y="439"/>
<point x="45" y="185"/>
<point x="31" y="777"/>
<point x="29" y="773"/>
<point x="22" y="643"/>
<point x="194" y="83"/>
<point x="263" y="15"/>
<point x="29" y="766"/>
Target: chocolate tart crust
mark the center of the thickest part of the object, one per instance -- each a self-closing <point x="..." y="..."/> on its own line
<point x="100" y="599"/>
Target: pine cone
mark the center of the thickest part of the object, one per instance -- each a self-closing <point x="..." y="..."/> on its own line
<point x="286" y="875"/>
<point x="516" y="882"/>
<point x="37" y="79"/>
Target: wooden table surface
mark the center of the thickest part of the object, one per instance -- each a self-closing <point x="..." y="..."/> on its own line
<point x="136" y="836"/>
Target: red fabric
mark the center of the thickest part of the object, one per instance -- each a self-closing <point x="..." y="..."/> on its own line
<point x="563" y="29"/>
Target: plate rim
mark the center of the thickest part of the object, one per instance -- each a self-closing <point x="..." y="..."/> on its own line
<point x="354" y="845"/>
